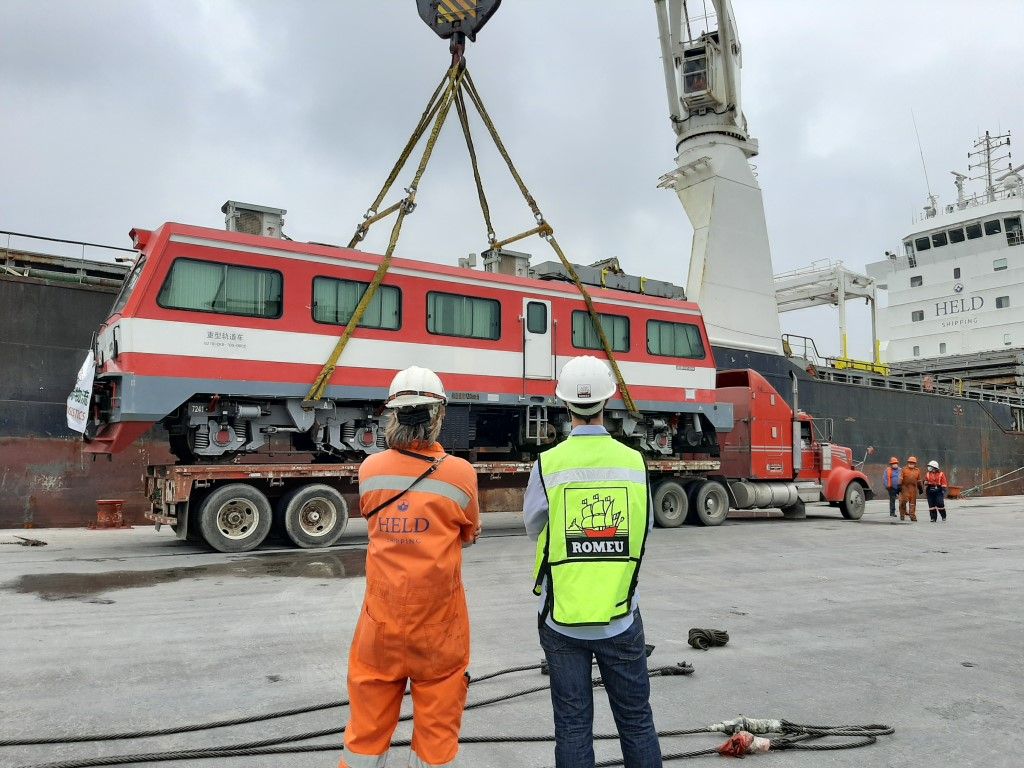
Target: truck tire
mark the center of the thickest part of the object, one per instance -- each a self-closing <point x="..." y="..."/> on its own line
<point x="709" y="503"/>
<point x="852" y="505"/>
<point x="314" y="515"/>
<point x="671" y="504"/>
<point x="235" y="518"/>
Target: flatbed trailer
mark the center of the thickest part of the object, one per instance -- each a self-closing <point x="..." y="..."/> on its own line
<point x="232" y="507"/>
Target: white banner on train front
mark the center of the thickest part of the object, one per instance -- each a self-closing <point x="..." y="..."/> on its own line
<point x="78" y="400"/>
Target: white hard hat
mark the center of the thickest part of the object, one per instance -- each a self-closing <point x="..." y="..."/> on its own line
<point x="415" y="387"/>
<point x="933" y="464"/>
<point x="585" y="381"/>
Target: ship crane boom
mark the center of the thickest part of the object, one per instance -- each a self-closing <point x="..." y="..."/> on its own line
<point x="730" y="272"/>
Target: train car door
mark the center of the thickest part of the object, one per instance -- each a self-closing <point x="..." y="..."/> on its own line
<point x="538" y="360"/>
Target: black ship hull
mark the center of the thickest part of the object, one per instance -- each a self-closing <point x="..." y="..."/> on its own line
<point x="51" y="307"/>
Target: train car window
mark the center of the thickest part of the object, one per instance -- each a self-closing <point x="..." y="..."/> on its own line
<point x="128" y="286"/>
<point x="993" y="227"/>
<point x="674" y="340"/>
<point x="451" y="315"/>
<point x="584" y="334"/>
<point x="335" y="300"/>
<point x="922" y="244"/>
<point x="536" y="317"/>
<point x="974" y="230"/>
<point x="224" y="289"/>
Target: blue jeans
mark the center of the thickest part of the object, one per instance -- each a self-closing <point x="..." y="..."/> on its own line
<point x="623" y="666"/>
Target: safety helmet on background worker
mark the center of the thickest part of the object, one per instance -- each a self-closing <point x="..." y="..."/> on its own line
<point x="415" y="387"/>
<point x="933" y="464"/>
<point x="912" y="460"/>
<point x="584" y="385"/>
<point x="894" y="460"/>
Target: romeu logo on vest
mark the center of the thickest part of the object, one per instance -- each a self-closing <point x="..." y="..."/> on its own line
<point x="597" y="523"/>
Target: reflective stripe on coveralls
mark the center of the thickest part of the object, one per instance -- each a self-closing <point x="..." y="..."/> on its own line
<point x="591" y="548"/>
<point x="414" y="624"/>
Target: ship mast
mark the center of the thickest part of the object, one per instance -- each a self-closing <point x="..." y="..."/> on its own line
<point x="987" y="152"/>
<point x="730" y="273"/>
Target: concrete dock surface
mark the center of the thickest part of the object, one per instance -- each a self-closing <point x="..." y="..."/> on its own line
<point x="920" y="626"/>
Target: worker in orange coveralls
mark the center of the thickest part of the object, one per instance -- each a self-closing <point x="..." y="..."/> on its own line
<point x="910" y="486"/>
<point x="891" y="478"/>
<point x="936" y="486"/>
<point x="422" y="508"/>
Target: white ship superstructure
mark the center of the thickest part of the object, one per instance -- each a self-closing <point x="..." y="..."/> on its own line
<point x="956" y="292"/>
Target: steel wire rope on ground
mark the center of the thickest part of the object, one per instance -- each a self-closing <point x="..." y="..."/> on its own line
<point x="244" y="749"/>
<point x="194" y="727"/>
<point x="793" y="735"/>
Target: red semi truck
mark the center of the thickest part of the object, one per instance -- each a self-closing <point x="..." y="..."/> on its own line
<point x="773" y="458"/>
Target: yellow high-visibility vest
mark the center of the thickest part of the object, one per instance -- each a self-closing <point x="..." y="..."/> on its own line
<point x="591" y="548"/>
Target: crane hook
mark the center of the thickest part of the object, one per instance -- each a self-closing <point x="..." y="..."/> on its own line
<point x="455" y="20"/>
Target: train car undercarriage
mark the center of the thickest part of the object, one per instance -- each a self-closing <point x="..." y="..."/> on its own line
<point x="219" y="428"/>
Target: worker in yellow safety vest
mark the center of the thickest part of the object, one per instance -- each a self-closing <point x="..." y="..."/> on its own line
<point x="421" y="507"/>
<point x="587" y="505"/>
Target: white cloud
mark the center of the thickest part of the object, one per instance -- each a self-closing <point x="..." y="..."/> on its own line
<point x="129" y="114"/>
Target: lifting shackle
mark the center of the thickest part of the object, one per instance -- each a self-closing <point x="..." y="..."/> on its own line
<point x="455" y="20"/>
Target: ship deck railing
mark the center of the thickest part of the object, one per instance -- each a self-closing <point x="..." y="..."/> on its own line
<point x="847" y="371"/>
<point x="932" y="385"/>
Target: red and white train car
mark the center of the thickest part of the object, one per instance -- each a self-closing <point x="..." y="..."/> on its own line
<point x="218" y="335"/>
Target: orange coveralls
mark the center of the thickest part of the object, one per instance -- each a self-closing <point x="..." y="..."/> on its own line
<point x="909" y="482"/>
<point x="414" y="624"/>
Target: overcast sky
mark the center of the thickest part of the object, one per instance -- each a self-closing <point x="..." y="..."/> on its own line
<point x="121" y="114"/>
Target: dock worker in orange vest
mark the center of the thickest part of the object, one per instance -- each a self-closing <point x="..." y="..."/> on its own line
<point x="936" y="485"/>
<point x="891" y="478"/>
<point x="910" y="486"/>
<point x="422" y="508"/>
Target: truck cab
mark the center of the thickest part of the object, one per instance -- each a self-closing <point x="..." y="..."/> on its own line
<point x="775" y="457"/>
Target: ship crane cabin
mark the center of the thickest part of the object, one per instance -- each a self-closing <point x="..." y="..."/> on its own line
<point x="704" y="84"/>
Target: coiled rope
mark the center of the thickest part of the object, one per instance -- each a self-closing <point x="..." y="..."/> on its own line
<point x="702" y="639"/>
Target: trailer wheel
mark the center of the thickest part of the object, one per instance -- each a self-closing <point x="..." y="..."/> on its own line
<point x="670" y="504"/>
<point x="235" y="518"/>
<point x="709" y="504"/>
<point x="314" y="515"/>
<point x="852" y="505"/>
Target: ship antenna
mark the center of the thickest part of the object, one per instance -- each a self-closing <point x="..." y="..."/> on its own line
<point x="927" y="184"/>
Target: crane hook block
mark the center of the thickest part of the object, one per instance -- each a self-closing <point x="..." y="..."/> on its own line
<point x="452" y="17"/>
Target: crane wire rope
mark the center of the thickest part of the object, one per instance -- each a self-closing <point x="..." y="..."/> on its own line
<point x="547" y="232"/>
<point x="453" y="89"/>
<point x="404" y="207"/>
<point x="785" y="734"/>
